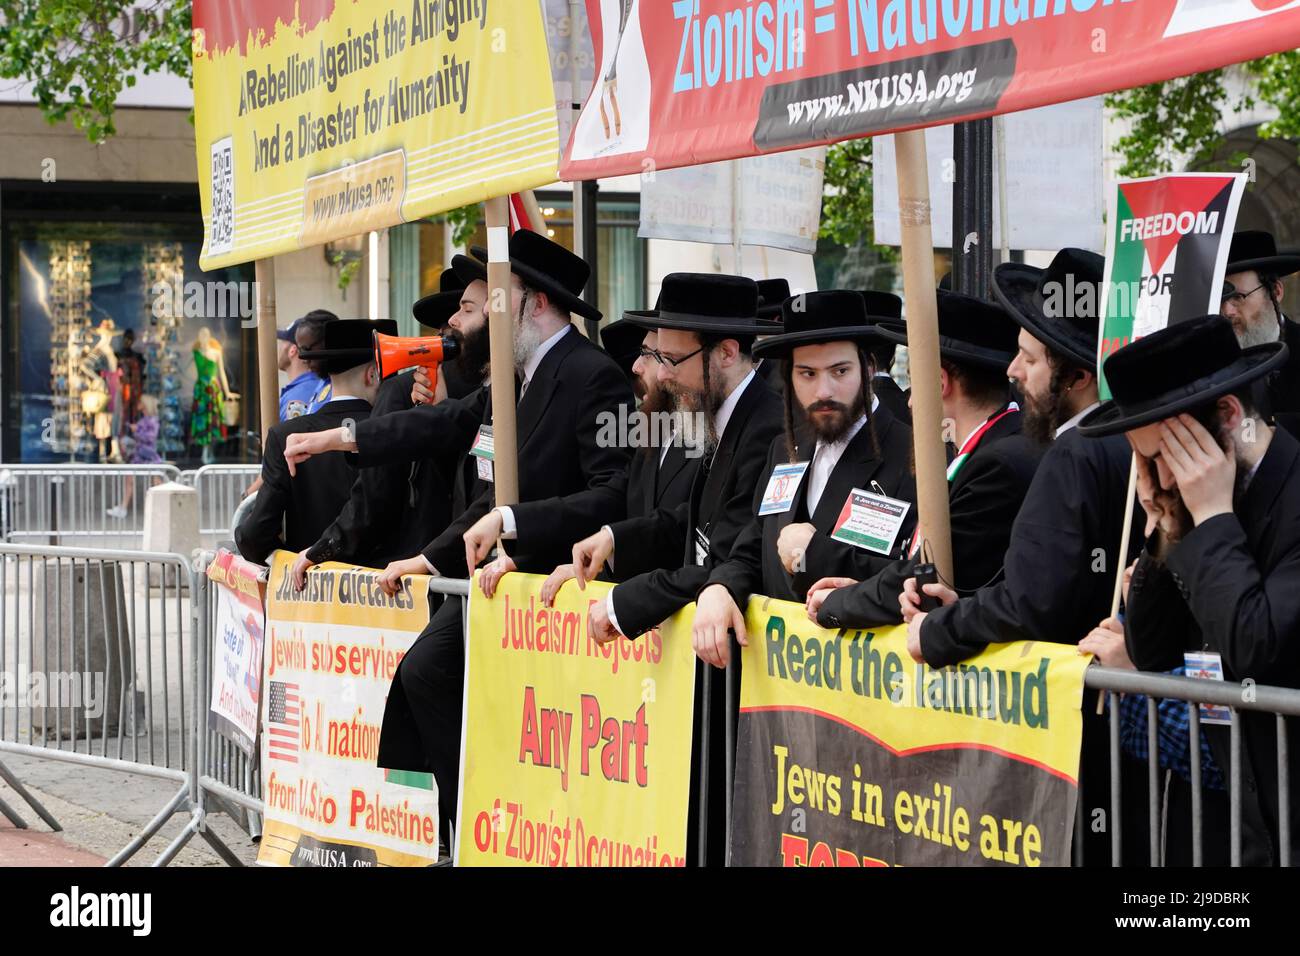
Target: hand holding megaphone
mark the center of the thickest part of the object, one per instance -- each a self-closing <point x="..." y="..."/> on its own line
<point x="394" y="353"/>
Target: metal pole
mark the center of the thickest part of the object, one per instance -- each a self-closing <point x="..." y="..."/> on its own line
<point x="972" y="207"/>
<point x="268" y="372"/>
<point x="737" y="234"/>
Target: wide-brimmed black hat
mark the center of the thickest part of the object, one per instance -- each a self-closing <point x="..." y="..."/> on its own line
<point x="1174" y="370"/>
<point x="813" y="318"/>
<point x="882" y="306"/>
<point x="471" y="267"/>
<point x="434" y="310"/>
<point x="704" y="302"/>
<point x="549" y="267"/>
<point x="1055" y="305"/>
<point x="1254" y="250"/>
<point x="622" y="341"/>
<point x="771" y="293"/>
<point x="971" y="331"/>
<point x="349" y="343"/>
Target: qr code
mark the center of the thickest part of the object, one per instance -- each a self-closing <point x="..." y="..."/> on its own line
<point x="221" y="238"/>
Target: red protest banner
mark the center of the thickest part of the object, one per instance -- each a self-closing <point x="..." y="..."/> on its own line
<point x="681" y="82"/>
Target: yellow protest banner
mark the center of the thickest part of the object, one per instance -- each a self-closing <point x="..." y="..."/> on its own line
<point x="850" y="753"/>
<point x="334" y="119"/>
<point x="332" y="651"/>
<point x="574" y="753"/>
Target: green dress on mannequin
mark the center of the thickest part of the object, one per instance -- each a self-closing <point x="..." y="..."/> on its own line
<point x="207" y="420"/>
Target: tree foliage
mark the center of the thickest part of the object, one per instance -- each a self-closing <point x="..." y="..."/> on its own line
<point x="1181" y="121"/>
<point x="80" y="54"/>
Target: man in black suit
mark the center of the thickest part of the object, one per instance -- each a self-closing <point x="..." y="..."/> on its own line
<point x="305" y="502"/>
<point x="1218" y="571"/>
<point x="987" y="480"/>
<point x="846" y="446"/>
<point x="397" y="507"/>
<point x="569" y="482"/>
<point x="1252" y="300"/>
<point x="887" y="307"/>
<point x="706" y="330"/>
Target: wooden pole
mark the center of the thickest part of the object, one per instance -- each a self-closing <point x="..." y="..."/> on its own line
<point x="505" y="461"/>
<point x="923" y="350"/>
<point x="268" y="370"/>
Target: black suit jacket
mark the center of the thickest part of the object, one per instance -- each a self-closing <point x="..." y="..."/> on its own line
<point x="652" y="485"/>
<point x="571" y="481"/>
<point x="394" y="509"/>
<point x="654" y="556"/>
<point x="755" y="567"/>
<point x="1230" y="586"/>
<point x="892" y="397"/>
<point x="983" y="501"/>
<point x="1059" y="570"/>
<point x="305" y="505"/>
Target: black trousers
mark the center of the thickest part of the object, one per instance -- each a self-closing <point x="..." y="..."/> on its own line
<point x="432" y="675"/>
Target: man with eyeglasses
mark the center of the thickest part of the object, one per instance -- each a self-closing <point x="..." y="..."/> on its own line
<point x="1252" y="298"/>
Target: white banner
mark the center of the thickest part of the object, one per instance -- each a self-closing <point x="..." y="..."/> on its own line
<point x="332" y="651"/>
<point x="237" y="648"/>
<point x="780" y="201"/>
<point x="1048" y="150"/>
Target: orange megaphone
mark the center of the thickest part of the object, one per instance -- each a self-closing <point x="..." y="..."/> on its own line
<point x="394" y="353"/>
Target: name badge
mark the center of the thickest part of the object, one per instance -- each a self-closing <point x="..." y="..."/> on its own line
<point x="782" y="486"/>
<point x="1207" y="665"/>
<point x="482" y="450"/>
<point x="870" y="521"/>
<point x="701" y="548"/>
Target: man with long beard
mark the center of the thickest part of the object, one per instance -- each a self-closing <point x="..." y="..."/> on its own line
<point x="987" y="479"/>
<point x="1217" y="574"/>
<point x="410" y="456"/>
<point x="1064" y="552"/>
<point x="845" y="444"/>
<point x="1252" y="301"/>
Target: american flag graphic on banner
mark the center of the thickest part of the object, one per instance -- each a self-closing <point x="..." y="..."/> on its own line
<point x="283" y="717"/>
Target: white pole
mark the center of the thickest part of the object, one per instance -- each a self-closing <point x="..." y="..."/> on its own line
<point x="737" y="237"/>
<point x="372" y="275"/>
<point x="1000" y="158"/>
<point x="575" y="12"/>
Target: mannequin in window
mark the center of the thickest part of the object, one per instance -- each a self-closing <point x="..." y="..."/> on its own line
<point x="108" y="419"/>
<point x="207" y="419"/>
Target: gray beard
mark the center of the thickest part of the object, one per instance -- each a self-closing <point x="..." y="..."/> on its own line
<point x="1261" y="333"/>
<point x="527" y="341"/>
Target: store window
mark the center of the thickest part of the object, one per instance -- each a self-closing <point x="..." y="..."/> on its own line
<point x="621" y="256"/>
<point x="109" y="324"/>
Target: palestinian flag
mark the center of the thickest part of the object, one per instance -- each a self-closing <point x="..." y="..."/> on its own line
<point x="1165" y="254"/>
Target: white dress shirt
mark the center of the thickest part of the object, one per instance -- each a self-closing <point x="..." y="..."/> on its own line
<point x="1065" y="427"/>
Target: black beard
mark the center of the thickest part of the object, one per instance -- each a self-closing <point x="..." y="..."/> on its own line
<point x="475" y="351"/>
<point x="657" y="400"/>
<point x="832" y="430"/>
<point x="1041" y="417"/>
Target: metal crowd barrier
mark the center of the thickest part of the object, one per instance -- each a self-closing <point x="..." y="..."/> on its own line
<point x="220" y="488"/>
<point x="78" y="505"/>
<point x="98" y="648"/>
<point x="106" y="657"/>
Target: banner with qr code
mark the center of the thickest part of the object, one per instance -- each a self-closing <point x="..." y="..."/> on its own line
<point x="331" y="120"/>
<point x="331" y="652"/>
<point x="684" y="82"/>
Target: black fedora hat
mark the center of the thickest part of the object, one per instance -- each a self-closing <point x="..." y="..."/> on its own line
<point x="814" y="318"/>
<point x="971" y="331"/>
<point x="1058" y="305"/>
<point x="704" y="302"/>
<point x="771" y="293"/>
<point x="349" y="343"/>
<point x="622" y="340"/>
<point x="882" y="306"/>
<point x="1254" y="250"/>
<point x="434" y="310"/>
<point x="472" y="266"/>
<point x="1176" y="369"/>
<point x="550" y="268"/>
